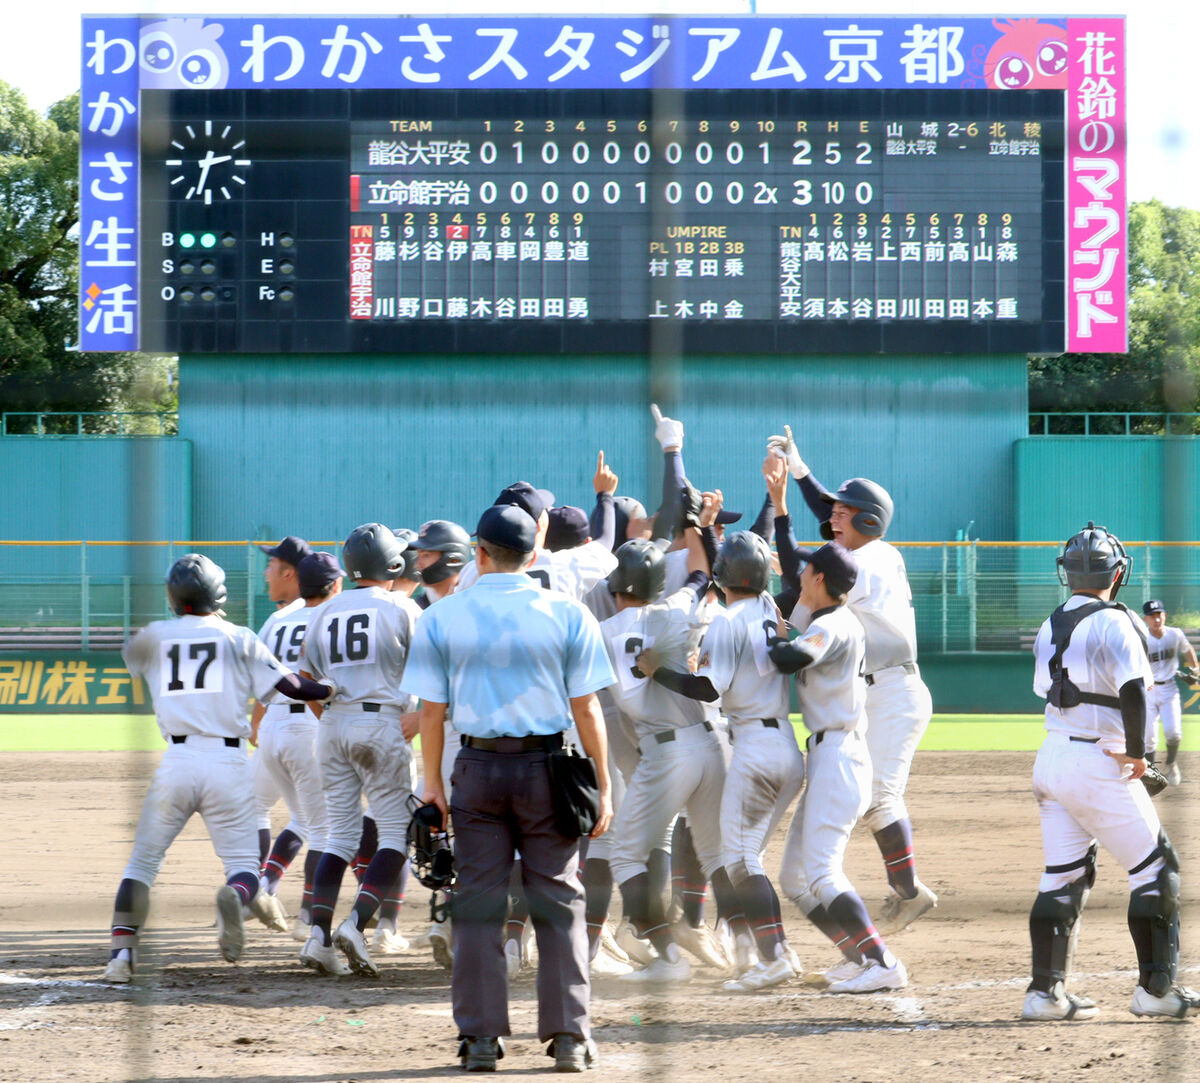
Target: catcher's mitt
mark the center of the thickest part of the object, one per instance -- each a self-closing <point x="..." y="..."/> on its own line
<point x="1154" y="781"/>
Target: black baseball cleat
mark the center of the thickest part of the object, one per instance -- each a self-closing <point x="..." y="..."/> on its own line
<point x="571" y="1053"/>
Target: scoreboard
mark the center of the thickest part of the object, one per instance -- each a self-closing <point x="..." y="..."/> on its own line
<point x="861" y="219"/>
<point x="444" y="220"/>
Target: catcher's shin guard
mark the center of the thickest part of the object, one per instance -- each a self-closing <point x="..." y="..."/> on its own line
<point x="1054" y="921"/>
<point x="1154" y="921"/>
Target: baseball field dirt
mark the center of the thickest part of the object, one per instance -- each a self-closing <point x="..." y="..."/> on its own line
<point x="189" y="1016"/>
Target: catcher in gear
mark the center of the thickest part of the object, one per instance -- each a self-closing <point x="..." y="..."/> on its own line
<point x="1092" y="668"/>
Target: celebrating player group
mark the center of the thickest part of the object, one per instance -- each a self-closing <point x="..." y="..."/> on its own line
<point x="651" y="643"/>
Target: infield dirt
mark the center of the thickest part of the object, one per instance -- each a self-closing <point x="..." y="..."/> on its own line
<point x="69" y="822"/>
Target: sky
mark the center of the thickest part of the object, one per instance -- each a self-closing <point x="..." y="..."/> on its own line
<point x="39" y="54"/>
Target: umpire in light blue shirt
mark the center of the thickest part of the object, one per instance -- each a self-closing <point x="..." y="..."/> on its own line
<point x="515" y="665"/>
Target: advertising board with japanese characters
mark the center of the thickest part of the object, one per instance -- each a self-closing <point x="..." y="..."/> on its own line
<point x="555" y="185"/>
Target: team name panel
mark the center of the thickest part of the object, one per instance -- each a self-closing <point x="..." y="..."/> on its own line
<point x="733" y="221"/>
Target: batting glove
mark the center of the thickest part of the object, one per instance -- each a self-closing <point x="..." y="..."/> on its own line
<point x="785" y="447"/>
<point x="668" y="432"/>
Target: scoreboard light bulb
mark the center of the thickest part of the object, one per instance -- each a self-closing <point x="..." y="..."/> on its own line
<point x="187" y="294"/>
<point x="208" y="294"/>
<point x="208" y="240"/>
<point x="286" y="267"/>
<point x="208" y="267"/>
<point x="187" y="240"/>
<point x="286" y="240"/>
<point x="287" y="294"/>
<point x="228" y="240"/>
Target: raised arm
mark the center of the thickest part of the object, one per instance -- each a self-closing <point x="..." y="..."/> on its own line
<point x="602" y="523"/>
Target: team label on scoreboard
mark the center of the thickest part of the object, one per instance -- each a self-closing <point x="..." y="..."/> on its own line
<point x="558" y="185"/>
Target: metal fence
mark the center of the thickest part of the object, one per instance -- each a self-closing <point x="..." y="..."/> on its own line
<point x="89" y="423"/>
<point x="1125" y="423"/>
<point x="969" y="597"/>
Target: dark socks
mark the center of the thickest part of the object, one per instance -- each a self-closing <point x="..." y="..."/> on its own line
<point x="367" y="845"/>
<point x="264" y="844"/>
<point x="378" y="878"/>
<point x="311" y="860"/>
<point x="597" y="889"/>
<point x="326" y="885"/>
<point x="283" y="853"/>
<point x="246" y="884"/>
<point x="759" y="902"/>
<point x="895" y="843"/>
<point x="645" y="910"/>
<point x="687" y="878"/>
<point x="130" y="908"/>
<point x="841" y="939"/>
<point x="389" y="910"/>
<point x="851" y="914"/>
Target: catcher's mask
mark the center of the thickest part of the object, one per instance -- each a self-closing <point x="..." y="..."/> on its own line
<point x="429" y="852"/>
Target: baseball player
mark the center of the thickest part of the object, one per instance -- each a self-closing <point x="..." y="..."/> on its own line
<point x="200" y="670"/>
<point x="362" y="636"/>
<point x="284" y="764"/>
<point x="283" y="589"/>
<point x="1092" y="669"/>
<point x="288" y="744"/>
<point x="682" y="763"/>
<point x="898" y="704"/>
<point x="1167" y="646"/>
<point x="829" y="657"/>
<point x="766" y="771"/>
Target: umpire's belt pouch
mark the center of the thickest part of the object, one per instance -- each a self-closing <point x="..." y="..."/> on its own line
<point x="574" y="792"/>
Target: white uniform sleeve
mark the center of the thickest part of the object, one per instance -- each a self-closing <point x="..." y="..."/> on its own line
<point x="719" y="652"/>
<point x="1127" y="660"/>
<point x="264" y="668"/>
<point x="139" y="652"/>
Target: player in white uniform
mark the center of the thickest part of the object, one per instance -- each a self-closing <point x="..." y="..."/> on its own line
<point x="285" y="763"/>
<point x="829" y="658"/>
<point x="682" y="764"/>
<point x="898" y="703"/>
<point x="361" y="638"/>
<point x="766" y="770"/>
<point x="200" y="670"/>
<point x="1091" y="667"/>
<point x="1167" y="646"/>
<point x="287" y="742"/>
<point x="283" y="589"/>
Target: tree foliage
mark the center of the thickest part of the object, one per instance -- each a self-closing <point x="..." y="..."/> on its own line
<point x="1161" y="371"/>
<point x="39" y="273"/>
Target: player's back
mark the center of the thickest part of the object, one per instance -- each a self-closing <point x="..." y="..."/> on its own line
<point x="359" y="639"/>
<point x="734" y="655"/>
<point x="673" y="627"/>
<point x="882" y="601"/>
<point x="283" y="634"/>
<point x="201" y="671"/>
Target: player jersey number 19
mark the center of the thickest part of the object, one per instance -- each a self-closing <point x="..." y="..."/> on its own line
<point x="350" y="640"/>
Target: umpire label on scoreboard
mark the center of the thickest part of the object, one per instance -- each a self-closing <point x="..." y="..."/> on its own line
<point x="70" y="683"/>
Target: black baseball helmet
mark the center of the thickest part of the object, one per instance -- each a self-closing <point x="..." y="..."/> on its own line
<point x="1091" y="559"/>
<point x="409" y="571"/>
<point x="625" y="508"/>
<point x="449" y="539"/>
<point x="641" y="570"/>
<point x="744" y="563"/>
<point x="875" y="508"/>
<point x="195" y="586"/>
<point x="373" y="552"/>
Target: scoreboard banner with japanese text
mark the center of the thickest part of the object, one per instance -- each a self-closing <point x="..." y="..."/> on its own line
<point x="854" y="185"/>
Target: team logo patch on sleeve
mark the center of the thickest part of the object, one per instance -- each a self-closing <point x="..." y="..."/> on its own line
<point x="816" y="640"/>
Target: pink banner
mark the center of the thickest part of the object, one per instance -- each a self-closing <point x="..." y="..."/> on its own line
<point x="1097" y="213"/>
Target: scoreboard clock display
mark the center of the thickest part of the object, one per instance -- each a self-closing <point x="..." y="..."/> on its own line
<point x="711" y="221"/>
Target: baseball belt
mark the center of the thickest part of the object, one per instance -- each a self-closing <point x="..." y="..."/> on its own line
<point x="908" y="667"/>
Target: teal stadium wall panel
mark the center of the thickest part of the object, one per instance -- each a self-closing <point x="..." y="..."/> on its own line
<point x="1143" y="488"/>
<point x="95" y="489"/>
<point x="316" y="445"/>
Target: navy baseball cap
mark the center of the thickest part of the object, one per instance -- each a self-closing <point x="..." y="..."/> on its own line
<point x="291" y="550"/>
<point x="726" y="517"/>
<point x="836" y="563"/>
<point x="316" y="571"/>
<point x="524" y="495"/>
<point x="508" y="525"/>
<point x="569" y="528"/>
<point x="1153" y="606"/>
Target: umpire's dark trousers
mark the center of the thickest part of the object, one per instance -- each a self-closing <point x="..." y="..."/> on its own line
<point x="500" y="805"/>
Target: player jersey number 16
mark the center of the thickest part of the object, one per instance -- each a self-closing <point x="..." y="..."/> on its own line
<point x="187" y="666"/>
<point x="351" y="639"/>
